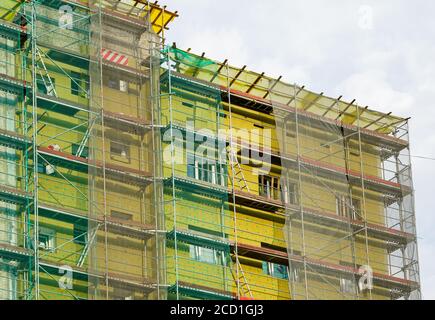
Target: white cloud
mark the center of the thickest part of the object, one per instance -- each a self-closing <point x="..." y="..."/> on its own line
<point x="372" y="88"/>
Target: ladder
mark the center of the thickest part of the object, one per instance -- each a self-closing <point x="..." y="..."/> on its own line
<point x="43" y="72"/>
<point x="243" y="285"/>
<point x="86" y="248"/>
<point x="239" y="177"/>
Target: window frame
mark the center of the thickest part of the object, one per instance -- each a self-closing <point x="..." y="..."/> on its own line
<point x="348" y="207"/>
<point x="206" y="170"/>
<point x="118" y="156"/>
<point x="50" y="234"/>
<point x="270" y="269"/>
<point x="197" y="253"/>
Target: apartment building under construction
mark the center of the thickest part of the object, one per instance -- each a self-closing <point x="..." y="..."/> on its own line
<point x="130" y="169"/>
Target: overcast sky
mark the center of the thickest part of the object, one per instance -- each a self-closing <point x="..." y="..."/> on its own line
<point x="381" y="53"/>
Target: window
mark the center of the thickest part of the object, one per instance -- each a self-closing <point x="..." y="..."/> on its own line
<point x="121" y="215"/>
<point x="80" y="234"/>
<point x="47" y="239"/>
<point x="75" y="81"/>
<point x="122" y="294"/>
<point x="84" y="153"/>
<point x="275" y="270"/>
<point x="79" y="84"/>
<point x="119" y="151"/>
<point x="204" y="169"/>
<point x="206" y="255"/>
<point x="290" y="193"/>
<point x="118" y="84"/>
<point x="269" y="187"/>
<point x="123" y="86"/>
<point x="113" y="84"/>
<point x="348" y="207"/>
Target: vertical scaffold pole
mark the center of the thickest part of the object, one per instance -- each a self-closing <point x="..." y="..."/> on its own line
<point x="174" y="200"/>
<point x="35" y="149"/>
<point x="155" y="105"/>
<point x="301" y="208"/>
<point x="236" y="251"/>
<point x="364" y="206"/>
<point x="103" y="146"/>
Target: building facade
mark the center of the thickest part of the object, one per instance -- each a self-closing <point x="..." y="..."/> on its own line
<point x="130" y="169"/>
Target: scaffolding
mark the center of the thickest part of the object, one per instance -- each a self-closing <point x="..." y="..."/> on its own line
<point x="287" y="194"/>
<point x="134" y="170"/>
<point x="80" y="187"/>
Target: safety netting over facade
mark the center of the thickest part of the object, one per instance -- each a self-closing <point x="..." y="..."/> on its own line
<point x="80" y="191"/>
<point x="132" y="171"/>
<point x="318" y="191"/>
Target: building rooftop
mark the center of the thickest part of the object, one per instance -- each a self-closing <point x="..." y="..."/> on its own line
<point x="280" y="94"/>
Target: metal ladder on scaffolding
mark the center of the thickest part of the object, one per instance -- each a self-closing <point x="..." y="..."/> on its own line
<point x="242" y="283"/>
<point x="237" y="171"/>
<point x="43" y="72"/>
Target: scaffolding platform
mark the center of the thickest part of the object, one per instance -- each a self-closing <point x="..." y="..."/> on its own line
<point x="392" y="236"/>
<point x="160" y="17"/>
<point x="62" y="106"/>
<point x="200" y="187"/>
<point x="326" y="170"/>
<point x="72" y="58"/>
<point x="199" y="239"/>
<point x="217" y="141"/>
<point x="258" y="202"/>
<point x="12" y="31"/>
<point x="14" y="140"/>
<point x="111" y="119"/>
<point x="138" y="283"/>
<point x="190" y="84"/>
<point x="68" y="215"/>
<point x="132" y="229"/>
<point x="129" y="123"/>
<point x="281" y="257"/>
<point x="14" y="195"/>
<point x="371" y="182"/>
<point x="267" y="106"/>
<point x="67" y="56"/>
<point x="200" y="292"/>
<point x="13" y="85"/>
<point x="15" y="253"/>
<point x="116" y="172"/>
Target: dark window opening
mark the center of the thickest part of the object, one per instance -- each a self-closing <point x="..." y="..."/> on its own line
<point x="121" y="215"/>
<point x="121" y="150"/>
<point x="348" y="207"/>
<point x="80" y="234"/>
